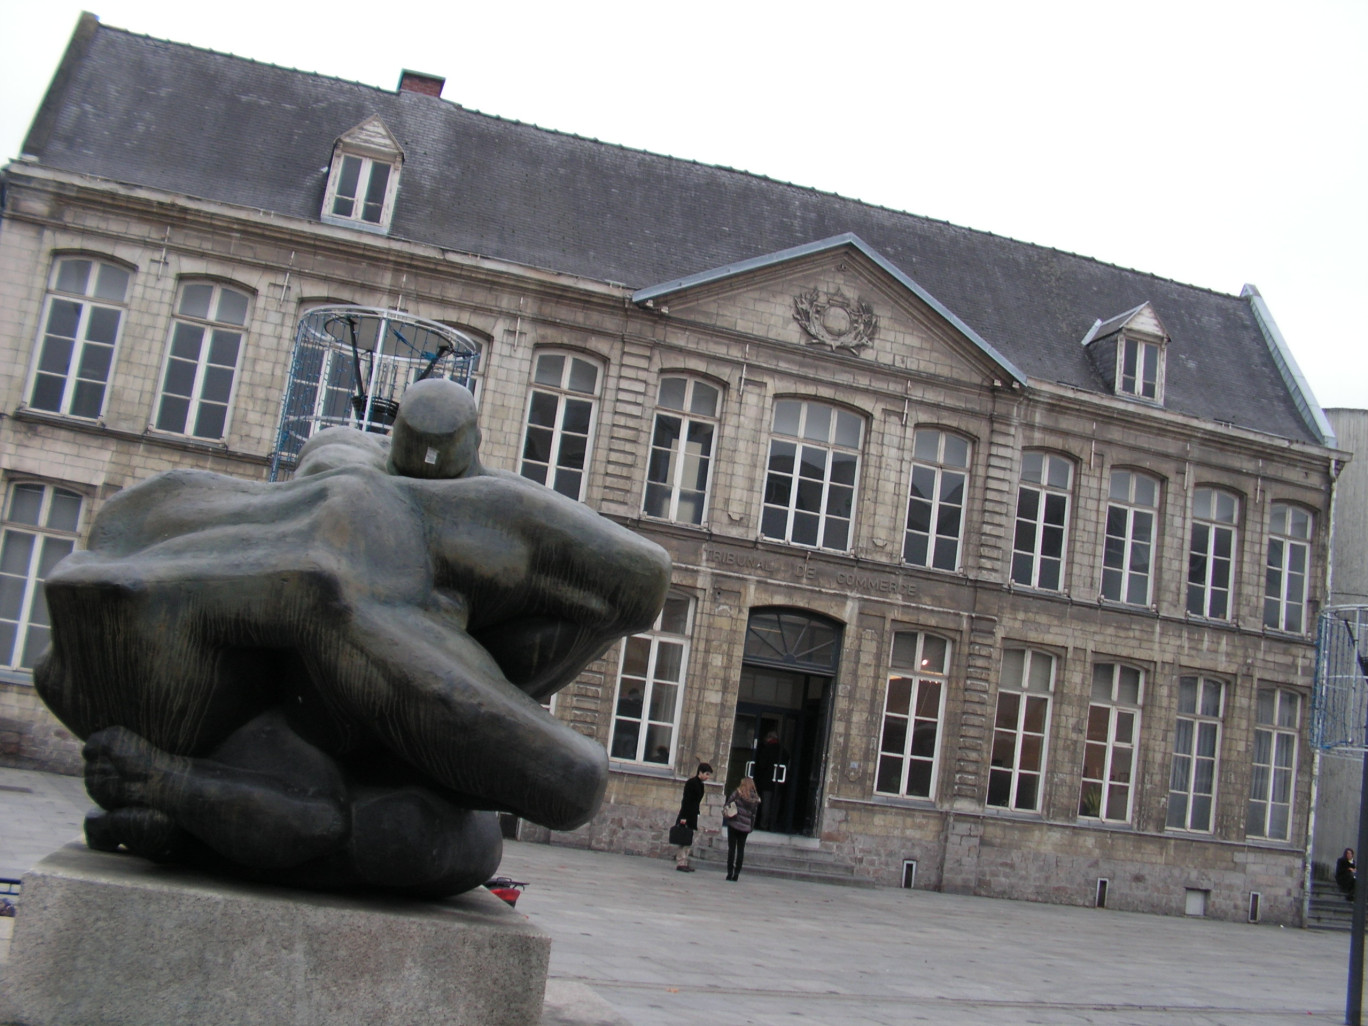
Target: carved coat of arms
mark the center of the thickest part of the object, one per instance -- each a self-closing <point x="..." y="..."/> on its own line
<point x="834" y="319"/>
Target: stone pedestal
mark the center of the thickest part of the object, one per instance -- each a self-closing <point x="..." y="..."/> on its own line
<point x="113" y="940"/>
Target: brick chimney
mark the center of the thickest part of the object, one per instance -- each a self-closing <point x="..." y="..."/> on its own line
<point x="420" y="82"/>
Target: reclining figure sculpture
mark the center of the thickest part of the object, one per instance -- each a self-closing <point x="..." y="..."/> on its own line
<point x="330" y="681"/>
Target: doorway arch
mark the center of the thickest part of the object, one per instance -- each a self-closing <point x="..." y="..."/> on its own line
<point x="783" y="712"/>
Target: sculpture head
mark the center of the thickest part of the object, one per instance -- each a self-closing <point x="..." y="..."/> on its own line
<point x="435" y="434"/>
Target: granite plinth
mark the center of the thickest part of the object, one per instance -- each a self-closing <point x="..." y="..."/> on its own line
<point x="111" y="940"/>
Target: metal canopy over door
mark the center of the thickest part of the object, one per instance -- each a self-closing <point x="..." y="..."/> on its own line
<point x="780" y="731"/>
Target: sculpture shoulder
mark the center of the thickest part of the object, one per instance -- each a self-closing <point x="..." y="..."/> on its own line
<point x="342" y="447"/>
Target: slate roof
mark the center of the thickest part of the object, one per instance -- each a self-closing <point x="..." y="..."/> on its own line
<point x="143" y="111"/>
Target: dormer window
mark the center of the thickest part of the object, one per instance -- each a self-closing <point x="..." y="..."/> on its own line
<point x="1128" y="352"/>
<point x="363" y="179"/>
<point x="362" y="185"/>
<point x="1140" y="368"/>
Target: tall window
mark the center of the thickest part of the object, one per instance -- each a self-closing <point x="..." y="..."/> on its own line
<point x="1020" y="729"/>
<point x="1289" y="559"/>
<point x="202" y="361"/>
<point x="1042" y="519"/>
<point x="1109" y="749"/>
<point x="360" y="190"/>
<point x="40" y="528"/>
<point x="650" y="685"/>
<point x="1196" y="753"/>
<point x="913" y="707"/>
<point x="1141" y="369"/>
<point x="1129" y="545"/>
<point x="935" y="505"/>
<point x="84" y="310"/>
<point x="1277" y="716"/>
<point x="1212" y="552"/>
<point x="681" y="450"/>
<point x="560" y="421"/>
<point x="814" y="458"/>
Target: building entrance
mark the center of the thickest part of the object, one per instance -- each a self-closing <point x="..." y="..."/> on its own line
<point x="779" y="733"/>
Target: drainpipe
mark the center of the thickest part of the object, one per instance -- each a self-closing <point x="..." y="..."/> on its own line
<point x="1308" y="866"/>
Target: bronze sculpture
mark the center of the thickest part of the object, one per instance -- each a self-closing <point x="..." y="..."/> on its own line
<point x="328" y="681"/>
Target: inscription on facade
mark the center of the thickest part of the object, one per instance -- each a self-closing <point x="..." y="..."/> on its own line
<point x="786" y="569"/>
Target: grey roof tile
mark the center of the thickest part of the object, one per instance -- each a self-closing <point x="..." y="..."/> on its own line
<point x="142" y="111"/>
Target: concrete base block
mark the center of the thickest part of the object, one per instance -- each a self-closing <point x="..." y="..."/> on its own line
<point x="113" y="940"/>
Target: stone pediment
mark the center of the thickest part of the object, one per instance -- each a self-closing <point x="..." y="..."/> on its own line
<point x="836" y="296"/>
<point x="371" y="139"/>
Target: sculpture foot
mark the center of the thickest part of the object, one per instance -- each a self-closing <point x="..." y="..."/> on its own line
<point x="143" y="831"/>
<point x="121" y="767"/>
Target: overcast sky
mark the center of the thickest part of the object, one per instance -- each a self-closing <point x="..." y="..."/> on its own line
<point x="1215" y="143"/>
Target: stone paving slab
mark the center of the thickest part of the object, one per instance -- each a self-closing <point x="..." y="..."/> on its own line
<point x="679" y="949"/>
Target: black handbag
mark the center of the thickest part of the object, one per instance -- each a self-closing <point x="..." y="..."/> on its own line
<point x="681" y="834"/>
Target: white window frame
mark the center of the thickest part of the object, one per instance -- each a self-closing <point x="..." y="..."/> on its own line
<point x="821" y="433"/>
<point x="76" y="374"/>
<point x="1047" y="483"/>
<point x="1195" y="771"/>
<point x="679" y="467"/>
<point x="1027" y="682"/>
<point x="922" y="715"/>
<point x="1112" y="743"/>
<point x="647" y="716"/>
<point x="1273" y="763"/>
<point x="1212" y="552"/>
<point x="937" y="489"/>
<point x="24" y="628"/>
<point x="367" y="163"/>
<point x="1135" y="359"/>
<point x="563" y="391"/>
<point x="1129" y="537"/>
<point x="211" y="329"/>
<point x="1287" y="577"/>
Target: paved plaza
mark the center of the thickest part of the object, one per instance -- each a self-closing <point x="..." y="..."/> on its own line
<point x="675" y="949"/>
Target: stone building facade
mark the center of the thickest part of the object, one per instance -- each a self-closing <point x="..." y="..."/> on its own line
<point x="1016" y="555"/>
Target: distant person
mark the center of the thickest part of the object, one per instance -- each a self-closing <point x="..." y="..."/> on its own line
<point x="1346" y="873"/>
<point x="739" y="826"/>
<point x="689" y="807"/>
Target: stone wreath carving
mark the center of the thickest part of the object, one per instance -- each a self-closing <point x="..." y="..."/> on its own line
<point x="834" y="319"/>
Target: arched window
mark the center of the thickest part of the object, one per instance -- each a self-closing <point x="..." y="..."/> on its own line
<point x="560" y="422"/>
<point x="1042" y="521"/>
<point x="814" y="462"/>
<point x="82" y="318"/>
<point x="914" y="704"/>
<point x="935" y="503"/>
<point x="202" y="360"/>
<point x="40" y="528"/>
<point x="650" y="689"/>
<point x="1290" y="529"/>
<point x="1128" y="552"/>
<point x="1021" y="728"/>
<point x="1110" y="747"/>
<point x="680" y="466"/>
<point x="1211" y="554"/>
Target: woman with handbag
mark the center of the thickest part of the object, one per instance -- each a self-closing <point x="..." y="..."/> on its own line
<point x="739" y="815"/>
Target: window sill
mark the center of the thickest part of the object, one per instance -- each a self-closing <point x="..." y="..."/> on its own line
<point x="888" y="801"/>
<point x="363" y="226"/>
<point x="637" y="769"/>
<point x="171" y="441"/>
<point x="12" y="676"/>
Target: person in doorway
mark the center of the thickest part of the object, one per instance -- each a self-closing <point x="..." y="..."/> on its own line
<point x="1346" y="873"/>
<point x="767" y="762"/>
<point x="689" y="807"/>
<point x="746" y="800"/>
